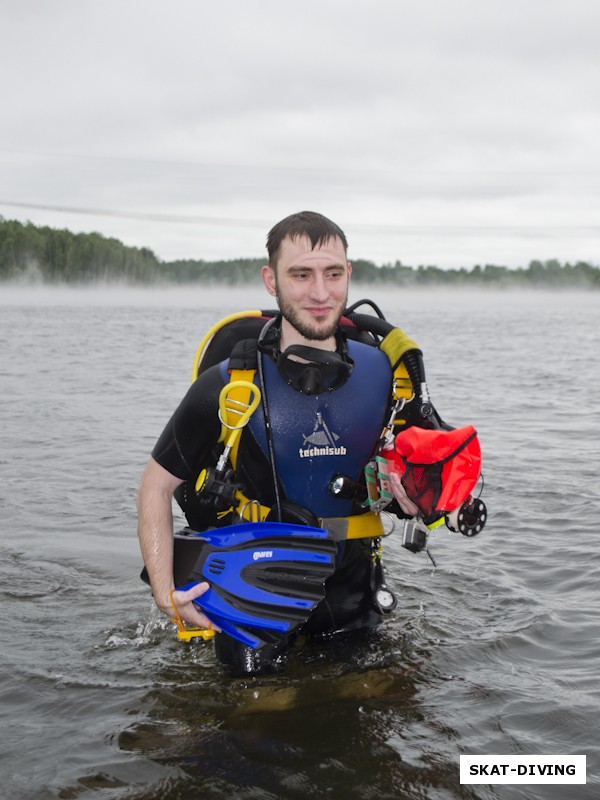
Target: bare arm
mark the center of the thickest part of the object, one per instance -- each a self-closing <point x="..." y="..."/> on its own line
<point x="155" y="531"/>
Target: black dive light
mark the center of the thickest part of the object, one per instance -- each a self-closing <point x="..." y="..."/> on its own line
<point x="347" y="488"/>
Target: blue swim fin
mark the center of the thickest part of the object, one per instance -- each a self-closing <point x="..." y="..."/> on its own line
<point x="265" y="577"/>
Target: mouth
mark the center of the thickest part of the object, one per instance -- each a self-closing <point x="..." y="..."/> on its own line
<point x="319" y="311"/>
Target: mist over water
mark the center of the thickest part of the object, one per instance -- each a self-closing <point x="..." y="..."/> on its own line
<point x="115" y="295"/>
<point x="495" y="651"/>
<point x="255" y="296"/>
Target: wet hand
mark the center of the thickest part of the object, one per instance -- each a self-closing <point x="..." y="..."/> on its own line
<point x="403" y="500"/>
<point x="186" y="609"/>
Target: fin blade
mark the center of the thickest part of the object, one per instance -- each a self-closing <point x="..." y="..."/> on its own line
<point x="265" y="578"/>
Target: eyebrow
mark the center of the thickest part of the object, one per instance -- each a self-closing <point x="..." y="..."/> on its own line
<point x="303" y="268"/>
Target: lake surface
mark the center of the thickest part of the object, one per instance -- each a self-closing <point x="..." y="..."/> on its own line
<point x="495" y="651"/>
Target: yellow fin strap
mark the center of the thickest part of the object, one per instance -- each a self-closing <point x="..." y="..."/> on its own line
<point x="187" y="634"/>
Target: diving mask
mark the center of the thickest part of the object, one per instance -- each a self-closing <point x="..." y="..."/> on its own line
<point x="313" y="371"/>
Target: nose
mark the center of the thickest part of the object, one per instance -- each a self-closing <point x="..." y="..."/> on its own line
<point x="318" y="288"/>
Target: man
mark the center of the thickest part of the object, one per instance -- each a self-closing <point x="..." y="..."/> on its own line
<point x="309" y="274"/>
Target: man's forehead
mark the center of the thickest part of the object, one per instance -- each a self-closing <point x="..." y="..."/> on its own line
<point x="299" y="251"/>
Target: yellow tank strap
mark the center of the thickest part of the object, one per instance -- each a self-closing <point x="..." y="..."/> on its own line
<point x="402" y="384"/>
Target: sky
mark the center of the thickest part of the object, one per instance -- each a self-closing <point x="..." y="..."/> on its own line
<point x="448" y="133"/>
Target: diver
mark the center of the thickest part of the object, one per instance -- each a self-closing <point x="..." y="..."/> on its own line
<point x="325" y="402"/>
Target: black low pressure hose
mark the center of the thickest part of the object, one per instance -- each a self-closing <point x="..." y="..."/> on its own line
<point x="367" y="322"/>
<point x="413" y="360"/>
<point x="351" y="309"/>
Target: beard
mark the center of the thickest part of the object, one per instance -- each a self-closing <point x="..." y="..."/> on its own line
<point x="314" y="332"/>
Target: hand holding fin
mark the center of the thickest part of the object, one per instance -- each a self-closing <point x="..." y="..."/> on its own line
<point x="187" y="611"/>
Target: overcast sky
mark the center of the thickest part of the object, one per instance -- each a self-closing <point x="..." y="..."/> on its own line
<point x="453" y="133"/>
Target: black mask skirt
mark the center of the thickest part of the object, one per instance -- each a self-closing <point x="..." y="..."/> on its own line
<point x="313" y="371"/>
<point x="309" y="370"/>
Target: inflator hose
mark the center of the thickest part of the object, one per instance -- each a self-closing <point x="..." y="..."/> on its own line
<point x="413" y="360"/>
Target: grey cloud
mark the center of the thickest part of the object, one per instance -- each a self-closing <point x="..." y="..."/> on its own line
<point x="381" y="111"/>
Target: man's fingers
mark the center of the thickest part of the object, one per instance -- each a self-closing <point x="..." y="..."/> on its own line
<point x="192" y="594"/>
<point x="187" y="609"/>
<point x="399" y="492"/>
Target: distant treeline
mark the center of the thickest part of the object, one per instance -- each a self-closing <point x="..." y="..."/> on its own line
<point x="29" y="253"/>
<point x="32" y="253"/>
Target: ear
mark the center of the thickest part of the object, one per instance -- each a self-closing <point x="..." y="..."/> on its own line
<point x="269" y="280"/>
<point x="349" y="265"/>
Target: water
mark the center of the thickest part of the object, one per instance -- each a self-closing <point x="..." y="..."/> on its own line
<point x="495" y="651"/>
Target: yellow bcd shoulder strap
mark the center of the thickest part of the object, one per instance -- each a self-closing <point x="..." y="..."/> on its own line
<point x="238" y="398"/>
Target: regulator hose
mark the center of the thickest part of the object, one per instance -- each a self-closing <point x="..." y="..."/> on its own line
<point x="413" y="360"/>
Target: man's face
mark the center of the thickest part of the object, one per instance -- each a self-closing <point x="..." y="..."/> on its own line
<point x="311" y="286"/>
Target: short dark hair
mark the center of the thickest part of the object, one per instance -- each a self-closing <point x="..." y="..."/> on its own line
<point x="314" y="226"/>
